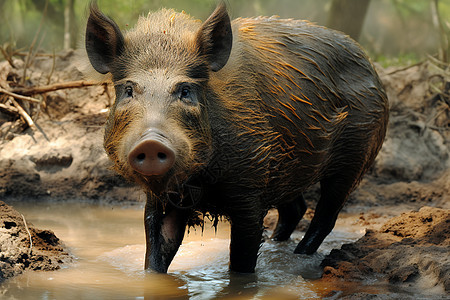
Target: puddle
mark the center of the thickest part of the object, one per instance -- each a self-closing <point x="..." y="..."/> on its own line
<point x="108" y="243"/>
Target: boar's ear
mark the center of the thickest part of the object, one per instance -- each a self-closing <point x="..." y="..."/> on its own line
<point x="215" y="38"/>
<point x="104" y="41"/>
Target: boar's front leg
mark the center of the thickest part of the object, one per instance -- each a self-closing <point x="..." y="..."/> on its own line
<point x="246" y="238"/>
<point x="164" y="232"/>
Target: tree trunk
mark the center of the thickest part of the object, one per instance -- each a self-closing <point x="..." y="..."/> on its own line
<point x="443" y="31"/>
<point x="348" y="16"/>
<point x="69" y="25"/>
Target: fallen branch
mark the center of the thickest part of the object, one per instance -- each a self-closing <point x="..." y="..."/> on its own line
<point x="17" y="96"/>
<point x="23" y="113"/>
<point x="53" y="87"/>
<point x="37" y="54"/>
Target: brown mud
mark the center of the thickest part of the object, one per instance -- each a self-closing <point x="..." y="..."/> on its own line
<point x="410" y="250"/>
<point x="24" y="247"/>
<point x="62" y="159"/>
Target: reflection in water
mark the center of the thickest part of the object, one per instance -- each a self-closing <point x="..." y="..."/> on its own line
<point x="108" y="242"/>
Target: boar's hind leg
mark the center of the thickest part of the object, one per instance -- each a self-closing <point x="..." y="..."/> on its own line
<point x="289" y="215"/>
<point x="334" y="193"/>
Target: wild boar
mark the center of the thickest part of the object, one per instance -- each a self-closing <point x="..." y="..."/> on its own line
<point x="235" y="118"/>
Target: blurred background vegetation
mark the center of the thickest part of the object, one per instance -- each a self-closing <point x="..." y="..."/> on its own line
<point x="391" y="31"/>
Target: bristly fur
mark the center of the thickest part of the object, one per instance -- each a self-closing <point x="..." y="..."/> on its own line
<point x="149" y="43"/>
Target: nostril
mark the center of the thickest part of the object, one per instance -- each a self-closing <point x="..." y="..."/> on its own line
<point x="162" y="156"/>
<point x="152" y="156"/>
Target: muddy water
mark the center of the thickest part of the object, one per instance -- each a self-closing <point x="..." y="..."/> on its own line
<point x="108" y="243"/>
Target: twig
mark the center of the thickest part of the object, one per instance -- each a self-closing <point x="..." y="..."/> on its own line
<point x="106" y="90"/>
<point x="7" y="57"/>
<point x="37" y="54"/>
<point x="437" y="90"/>
<point x="406" y="68"/>
<point x="53" y="68"/>
<point x="438" y="62"/>
<point x="54" y="87"/>
<point x="29" y="234"/>
<point x="10" y="109"/>
<point x="438" y="128"/>
<point x="23" y="113"/>
<point x="17" y="96"/>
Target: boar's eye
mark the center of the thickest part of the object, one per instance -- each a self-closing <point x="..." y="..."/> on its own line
<point x="128" y="91"/>
<point x="187" y="95"/>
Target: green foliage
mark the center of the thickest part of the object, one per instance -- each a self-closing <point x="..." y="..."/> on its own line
<point x="401" y="60"/>
<point x="411" y="8"/>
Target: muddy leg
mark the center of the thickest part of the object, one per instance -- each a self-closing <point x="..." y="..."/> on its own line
<point x="334" y="193"/>
<point x="246" y="238"/>
<point x="289" y="215"/>
<point x="164" y="233"/>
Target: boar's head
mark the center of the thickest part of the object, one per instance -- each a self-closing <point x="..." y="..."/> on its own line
<point x="159" y="128"/>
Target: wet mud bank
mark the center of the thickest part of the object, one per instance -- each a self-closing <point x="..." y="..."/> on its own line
<point x="62" y="159"/>
<point x="410" y="250"/>
<point x="24" y="247"/>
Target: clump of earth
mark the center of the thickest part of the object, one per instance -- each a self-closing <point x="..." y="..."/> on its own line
<point x="24" y="247"/>
<point x="62" y="158"/>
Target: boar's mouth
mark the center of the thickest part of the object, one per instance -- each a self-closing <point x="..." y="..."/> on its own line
<point x="185" y="195"/>
<point x="180" y="190"/>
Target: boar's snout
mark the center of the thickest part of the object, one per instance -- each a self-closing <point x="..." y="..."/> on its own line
<point x="152" y="154"/>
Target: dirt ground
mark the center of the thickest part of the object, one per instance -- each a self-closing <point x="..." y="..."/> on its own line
<point x="62" y="158"/>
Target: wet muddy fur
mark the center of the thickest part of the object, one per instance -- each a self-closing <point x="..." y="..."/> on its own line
<point x="255" y="110"/>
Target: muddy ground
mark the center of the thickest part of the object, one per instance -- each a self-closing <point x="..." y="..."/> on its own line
<point x="62" y="159"/>
<point x="24" y="247"/>
<point x="410" y="250"/>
